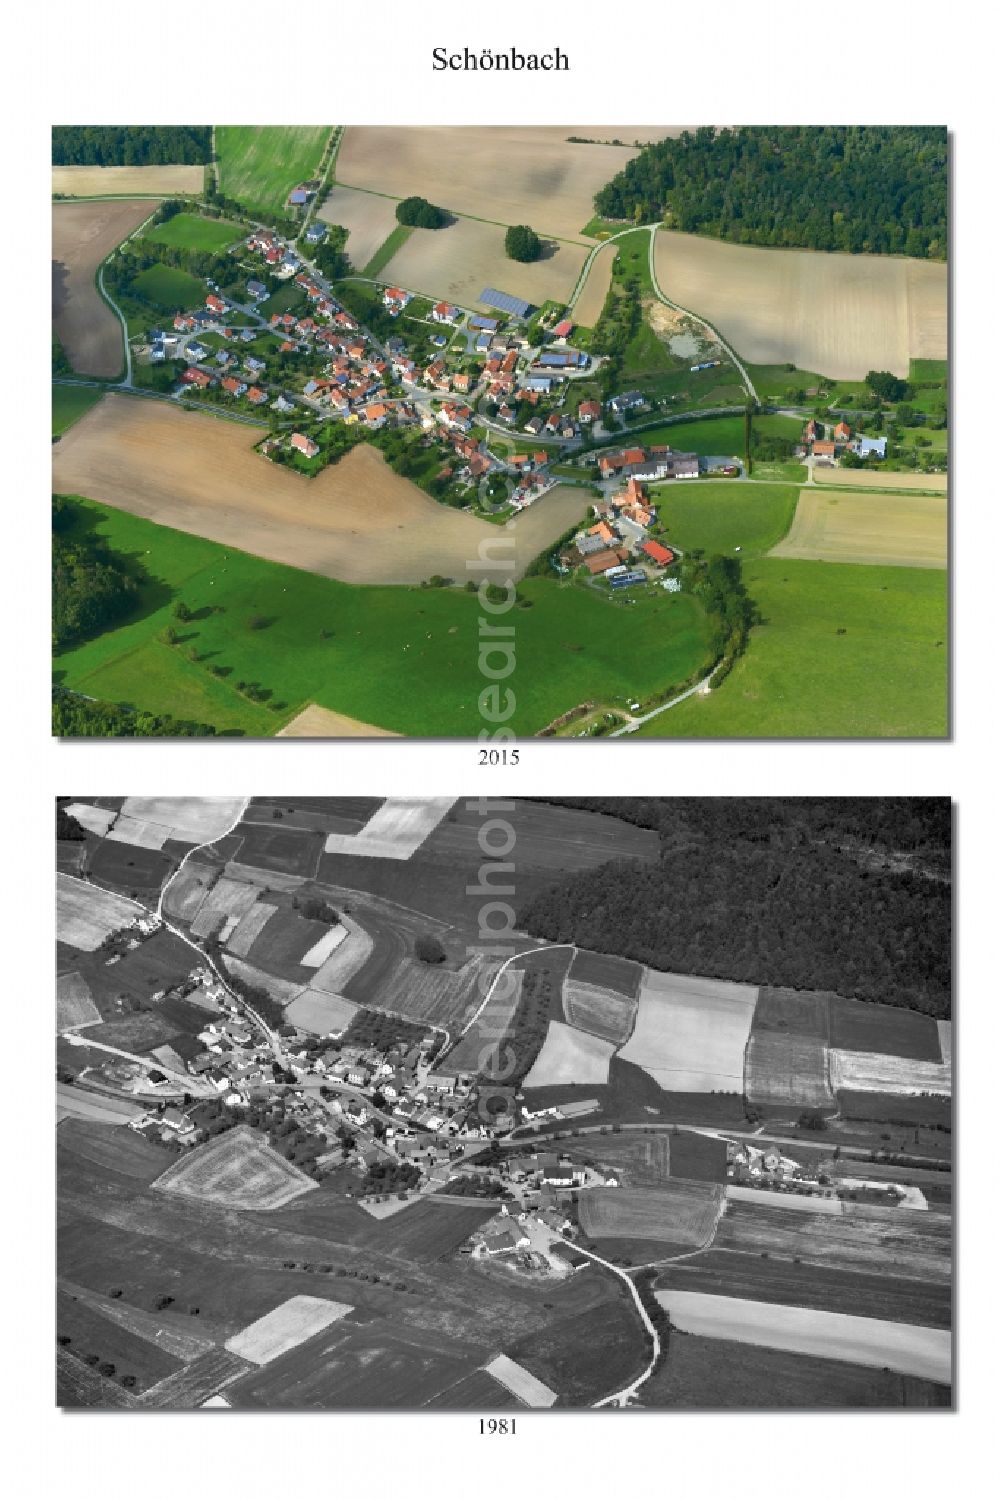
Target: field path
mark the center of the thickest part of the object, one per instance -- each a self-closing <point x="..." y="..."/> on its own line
<point x="546" y="947"/>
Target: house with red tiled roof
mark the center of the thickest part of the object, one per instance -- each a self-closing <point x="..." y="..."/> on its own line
<point x="841" y="432"/>
<point x="376" y="414"/>
<point x="824" y="449"/>
<point x="214" y="303"/>
<point x="201" y="378"/>
<point x="589" y="411"/>
<point x="303" y="444"/>
<point x="256" y="396"/>
<point x="445" y="312"/>
<point x="234" y="387"/>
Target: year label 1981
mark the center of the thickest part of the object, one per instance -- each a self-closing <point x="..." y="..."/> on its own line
<point x="497" y="1426"/>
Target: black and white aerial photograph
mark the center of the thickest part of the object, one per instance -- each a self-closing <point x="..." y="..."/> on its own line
<point x="503" y="1106"/>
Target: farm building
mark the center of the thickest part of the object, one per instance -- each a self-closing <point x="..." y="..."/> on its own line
<point x="865" y="446"/>
<point x="504" y="302"/>
<point x="484" y="324"/>
<point x="661" y="555"/>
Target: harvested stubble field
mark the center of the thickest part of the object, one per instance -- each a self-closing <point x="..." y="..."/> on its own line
<point x="599" y="1011"/>
<point x="188" y="819"/>
<point x="293" y="1322"/>
<point x="847" y="478"/>
<point x="869" y="1072"/>
<point x="507" y="174"/>
<point x="236" y="1170"/>
<point x="590" y="303"/>
<point x="83" y="235"/>
<point x="620" y="975"/>
<point x="461" y="260"/>
<point x="570" y="1056"/>
<point x="904" y="531"/>
<point x="85" y="913"/>
<point x="356" y="521"/>
<point x="921" y="1351"/>
<point x="681" y="1213"/>
<point x="841" y="314"/>
<point x="691" y="1033"/>
<point x="369" y="219"/>
<point x="323" y="1014"/>
<point x="315" y="722"/>
<point x="787" y="1071"/>
<point x="74" y="1004"/>
<point x="395" y="830"/>
<point x="887" y="1241"/>
<point x="131" y="182"/>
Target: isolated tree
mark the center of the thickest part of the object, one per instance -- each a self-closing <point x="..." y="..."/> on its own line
<point x="522" y="243"/>
<point x="419" y="214"/>
<point x="429" y="950"/>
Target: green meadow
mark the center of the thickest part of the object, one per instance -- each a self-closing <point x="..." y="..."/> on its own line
<point x="260" y="164"/>
<point x="403" y="658"/>
<point x="168" y="288"/>
<point x="189" y="231"/>
<point x="716" y="518"/>
<point x="70" y="402"/>
<point x="844" y="651"/>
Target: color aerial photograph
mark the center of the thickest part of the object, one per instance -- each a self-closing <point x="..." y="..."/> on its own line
<point x="435" y="1104"/>
<point x="372" y="430"/>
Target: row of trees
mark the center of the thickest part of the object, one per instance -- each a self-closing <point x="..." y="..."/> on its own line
<point x="95" y="718"/>
<point x="854" y="188"/>
<point x="131" y="145"/>
<point x="848" y="895"/>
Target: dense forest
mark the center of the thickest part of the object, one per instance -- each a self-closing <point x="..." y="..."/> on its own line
<point x="90" y="588"/>
<point x="131" y="145"/>
<point x="849" y="895"/>
<point x="93" y="718"/>
<point x="882" y="189"/>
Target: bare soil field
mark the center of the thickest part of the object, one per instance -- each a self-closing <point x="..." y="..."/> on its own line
<point x="85" y="913"/>
<point x="921" y="1351"/>
<point x="188" y="819"/>
<point x="840" y="315"/>
<point x="868" y="1072"/>
<point x="396" y="830"/>
<point x="691" y="1034"/>
<point x="133" y="182"/>
<point x="570" y="1056"/>
<point x="847" y="478"/>
<point x="291" y="1323"/>
<point x="534" y="1393"/>
<point x="323" y="1014"/>
<point x="369" y="219"/>
<point x="459" y="261"/>
<point x="718" y="1374"/>
<point x="908" y="531"/>
<point x="356" y="521"/>
<point x="315" y="722"/>
<point x="74" y="1003"/>
<point x="856" y="1025"/>
<point x="590" y="303"/>
<point x="94" y="819"/>
<point x="236" y="1170"/>
<point x="599" y="1011"/>
<point x="84" y="234"/>
<point x="787" y="1070"/>
<point x="509" y="174"/>
<point x="678" y="1212"/>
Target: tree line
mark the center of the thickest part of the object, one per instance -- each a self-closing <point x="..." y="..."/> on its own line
<point x="850" y="895"/>
<point x="91" y="589"/>
<point x="75" y="717"/>
<point x="882" y="189"/>
<point x="131" y="145"/>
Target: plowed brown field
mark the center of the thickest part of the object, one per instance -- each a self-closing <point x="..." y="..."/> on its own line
<point x="84" y="234"/>
<point x="356" y="521"/>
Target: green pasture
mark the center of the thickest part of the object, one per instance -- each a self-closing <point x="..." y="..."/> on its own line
<point x="716" y="518"/>
<point x="170" y="289"/>
<point x="70" y="402"/>
<point x="260" y="164"/>
<point x="189" y="231"/>
<point x="405" y="658"/>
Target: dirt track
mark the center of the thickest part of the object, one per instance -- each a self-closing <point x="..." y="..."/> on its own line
<point x="510" y="174"/>
<point x="356" y="521"/>
<point x="83" y="234"/>
<point x="905" y="530"/>
<point x="833" y="315"/>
